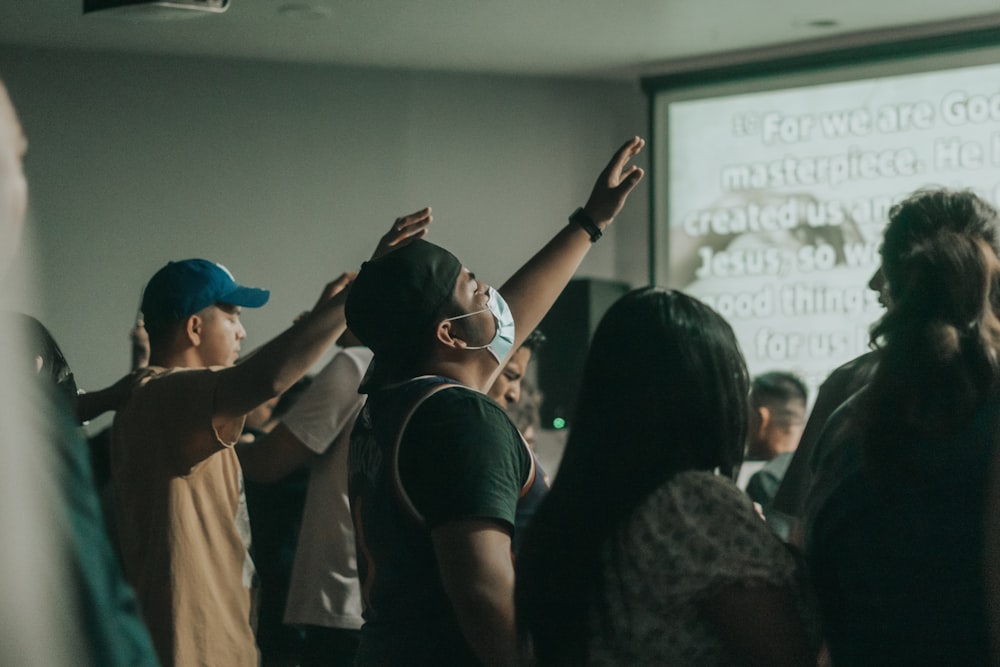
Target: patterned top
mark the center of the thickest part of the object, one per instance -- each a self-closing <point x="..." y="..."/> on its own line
<point x="693" y="536"/>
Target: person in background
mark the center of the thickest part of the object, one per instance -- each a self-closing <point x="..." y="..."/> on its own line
<point x="778" y="403"/>
<point x="526" y="413"/>
<point x="275" y="517"/>
<point x="785" y="512"/>
<point x="507" y="391"/>
<point x="324" y="597"/>
<point x="645" y="551"/>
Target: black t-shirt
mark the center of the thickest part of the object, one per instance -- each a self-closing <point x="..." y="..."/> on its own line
<point x="459" y="457"/>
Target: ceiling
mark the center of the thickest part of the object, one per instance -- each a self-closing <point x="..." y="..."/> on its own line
<point x="578" y="38"/>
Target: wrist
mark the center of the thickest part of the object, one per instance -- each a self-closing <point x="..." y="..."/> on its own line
<point x="585" y="221"/>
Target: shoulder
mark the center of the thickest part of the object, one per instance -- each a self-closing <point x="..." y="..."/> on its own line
<point x="847" y="378"/>
<point x="179" y="383"/>
<point x="699" y="494"/>
<point x="707" y="533"/>
<point x="839" y="441"/>
<point x="702" y="508"/>
<point x="459" y="404"/>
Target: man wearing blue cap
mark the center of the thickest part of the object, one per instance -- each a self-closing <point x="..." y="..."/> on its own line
<point x="177" y="480"/>
<point x="436" y="468"/>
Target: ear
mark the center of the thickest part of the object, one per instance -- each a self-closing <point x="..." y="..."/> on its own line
<point x="446" y="335"/>
<point x="765" y="420"/>
<point x="192" y="329"/>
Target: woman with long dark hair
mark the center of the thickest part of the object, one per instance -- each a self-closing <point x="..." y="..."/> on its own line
<point x="896" y="517"/>
<point x="644" y="551"/>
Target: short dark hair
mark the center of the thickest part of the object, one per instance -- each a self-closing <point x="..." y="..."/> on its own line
<point x="535" y="340"/>
<point x="775" y="390"/>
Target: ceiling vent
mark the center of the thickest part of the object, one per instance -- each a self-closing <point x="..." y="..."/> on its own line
<point x="155" y="9"/>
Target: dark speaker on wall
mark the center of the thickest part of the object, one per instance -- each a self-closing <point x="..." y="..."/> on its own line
<point x="568" y="328"/>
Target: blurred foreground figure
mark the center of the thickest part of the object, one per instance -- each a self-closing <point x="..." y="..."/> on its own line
<point x="64" y="599"/>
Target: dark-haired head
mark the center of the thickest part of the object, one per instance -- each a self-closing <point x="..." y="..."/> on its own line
<point x="44" y="357"/>
<point x="932" y="257"/>
<point x="940" y="337"/>
<point x="666" y="381"/>
<point x="664" y="391"/>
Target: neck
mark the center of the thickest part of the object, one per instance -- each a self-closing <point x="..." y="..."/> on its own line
<point x="186" y="358"/>
<point x="469" y="372"/>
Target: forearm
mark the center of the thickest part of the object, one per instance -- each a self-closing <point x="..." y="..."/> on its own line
<point x="281" y="362"/>
<point x="272" y="456"/>
<point x="532" y="290"/>
<point x="93" y="404"/>
<point x="486" y="618"/>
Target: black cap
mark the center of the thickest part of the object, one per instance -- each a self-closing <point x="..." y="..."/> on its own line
<point x="395" y="298"/>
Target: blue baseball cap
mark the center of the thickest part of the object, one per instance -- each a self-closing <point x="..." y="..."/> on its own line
<point x="181" y="289"/>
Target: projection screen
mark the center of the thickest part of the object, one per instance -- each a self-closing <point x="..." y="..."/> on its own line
<point x="771" y="190"/>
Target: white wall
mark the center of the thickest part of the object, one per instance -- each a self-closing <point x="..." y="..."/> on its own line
<point x="288" y="174"/>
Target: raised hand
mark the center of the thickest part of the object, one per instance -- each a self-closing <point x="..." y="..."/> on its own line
<point x="335" y="287"/>
<point x="615" y="183"/>
<point x="404" y="230"/>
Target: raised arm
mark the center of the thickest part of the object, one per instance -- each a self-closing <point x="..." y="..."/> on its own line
<point x="532" y="290"/>
<point x="320" y="415"/>
<point x="93" y="404"/>
<point x="280" y="363"/>
<point x="274" y="456"/>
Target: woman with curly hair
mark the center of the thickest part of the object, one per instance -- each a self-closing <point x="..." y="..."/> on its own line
<point x="895" y="521"/>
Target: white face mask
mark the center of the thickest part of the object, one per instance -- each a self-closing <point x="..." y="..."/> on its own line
<point x="503" y="339"/>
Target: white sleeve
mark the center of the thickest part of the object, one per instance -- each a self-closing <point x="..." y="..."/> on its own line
<point x="330" y="401"/>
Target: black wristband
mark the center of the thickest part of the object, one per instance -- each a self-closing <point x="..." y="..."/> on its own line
<point x="581" y="218"/>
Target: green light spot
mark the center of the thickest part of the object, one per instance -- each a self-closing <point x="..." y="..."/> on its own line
<point x="558" y="422"/>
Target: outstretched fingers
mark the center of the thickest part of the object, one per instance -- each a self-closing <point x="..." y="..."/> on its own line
<point x="404" y="230"/>
<point x="628" y="150"/>
<point x="335" y="287"/>
<point x="615" y="183"/>
<point x="629" y="180"/>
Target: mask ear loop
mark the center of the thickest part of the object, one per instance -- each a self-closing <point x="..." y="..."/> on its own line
<point x="496" y="326"/>
<point x="496" y="323"/>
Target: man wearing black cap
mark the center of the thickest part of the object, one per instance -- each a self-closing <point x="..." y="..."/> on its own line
<point x="436" y="467"/>
<point x="176" y="478"/>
